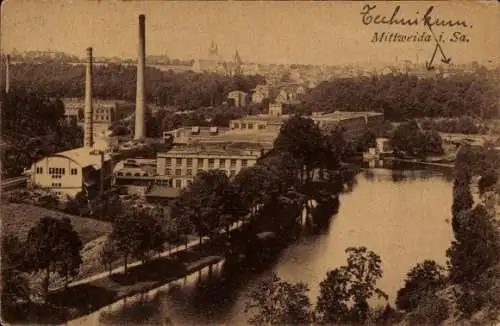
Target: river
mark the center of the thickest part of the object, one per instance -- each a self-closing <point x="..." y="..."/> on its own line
<point x="401" y="215"/>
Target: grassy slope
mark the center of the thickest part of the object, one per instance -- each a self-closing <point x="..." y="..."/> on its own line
<point x="17" y="219"/>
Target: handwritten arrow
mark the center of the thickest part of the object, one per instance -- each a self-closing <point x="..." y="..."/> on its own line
<point x="428" y="64"/>
<point x="444" y="59"/>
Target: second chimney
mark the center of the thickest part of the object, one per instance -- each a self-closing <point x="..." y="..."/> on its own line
<point x="139" y="99"/>
<point x="88" y="140"/>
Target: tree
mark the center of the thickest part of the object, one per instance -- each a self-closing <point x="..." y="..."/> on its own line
<point x="334" y="295"/>
<point x="408" y="139"/>
<point x="473" y="259"/>
<point x="53" y="245"/>
<point x="431" y="143"/>
<point x="353" y="283"/>
<point x="383" y="315"/>
<point x="277" y="302"/>
<point x="302" y="138"/>
<point x="15" y="287"/>
<point x="208" y="203"/>
<point x="265" y="182"/>
<point x="182" y="220"/>
<point x="332" y="150"/>
<point x="70" y="259"/>
<point x="487" y="181"/>
<point x="462" y="196"/>
<point x="476" y="247"/>
<point x="108" y="255"/>
<point x="248" y="184"/>
<point x="136" y="234"/>
<point x="422" y="280"/>
<point x="405" y="138"/>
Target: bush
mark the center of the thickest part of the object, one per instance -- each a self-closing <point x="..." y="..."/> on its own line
<point x="432" y="310"/>
<point x="423" y="279"/>
<point x="487" y="181"/>
<point x="481" y="293"/>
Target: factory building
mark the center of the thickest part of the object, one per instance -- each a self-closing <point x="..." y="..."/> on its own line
<point x="182" y="164"/>
<point x="177" y="168"/>
<point x="70" y="172"/>
<point x="353" y="124"/>
<point x="104" y="112"/>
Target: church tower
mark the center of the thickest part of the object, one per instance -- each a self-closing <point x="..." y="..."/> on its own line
<point x="238" y="70"/>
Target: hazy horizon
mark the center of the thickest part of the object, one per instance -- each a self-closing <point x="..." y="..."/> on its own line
<point x="330" y="33"/>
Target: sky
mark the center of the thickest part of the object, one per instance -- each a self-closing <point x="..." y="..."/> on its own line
<point x="262" y="31"/>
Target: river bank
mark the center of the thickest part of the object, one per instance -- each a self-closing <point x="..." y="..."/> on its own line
<point x="249" y="241"/>
<point x="87" y="297"/>
<point x="402" y="219"/>
<point x="82" y="299"/>
<point x="419" y="162"/>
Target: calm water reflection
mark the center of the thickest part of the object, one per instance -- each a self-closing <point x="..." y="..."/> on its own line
<point x="401" y="215"/>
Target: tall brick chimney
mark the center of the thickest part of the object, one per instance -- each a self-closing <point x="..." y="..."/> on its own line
<point x="7" y="73"/>
<point x="88" y="140"/>
<point x="141" y="62"/>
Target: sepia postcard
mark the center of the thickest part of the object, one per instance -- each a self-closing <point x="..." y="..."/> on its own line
<point x="250" y="162"/>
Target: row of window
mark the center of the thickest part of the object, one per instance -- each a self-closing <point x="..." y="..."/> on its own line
<point x="200" y="162"/>
<point x="56" y="185"/>
<point x="57" y="171"/>
<point x="243" y="125"/>
<point x="189" y="172"/>
<point x="137" y="174"/>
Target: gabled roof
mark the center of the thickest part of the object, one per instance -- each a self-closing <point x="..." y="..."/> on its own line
<point x="83" y="156"/>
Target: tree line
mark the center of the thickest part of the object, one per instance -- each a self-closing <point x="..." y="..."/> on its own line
<point x="462" y="125"/>
<point x="183" y="90"/>
<point x="474" y="255"/>
<point x="345" y="293"/>
<point x="33" y="126"/>
<point x="403" y="96"/>
<point x="468" y="281"/>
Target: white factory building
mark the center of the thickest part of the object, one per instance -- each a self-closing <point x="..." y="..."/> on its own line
<point x="70" y="172"/>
